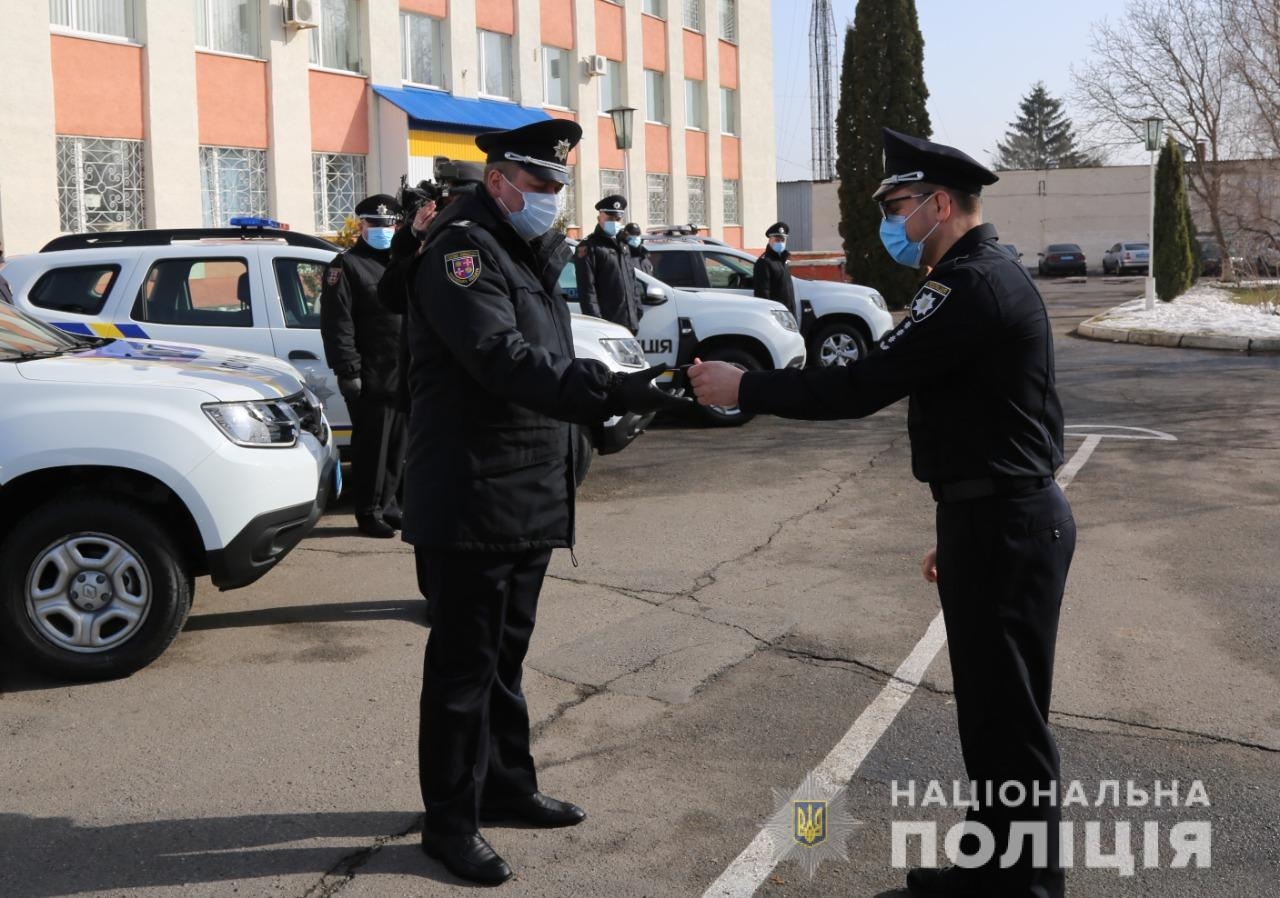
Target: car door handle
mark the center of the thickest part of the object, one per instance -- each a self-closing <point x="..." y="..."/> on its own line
<point x="298" y="355"/>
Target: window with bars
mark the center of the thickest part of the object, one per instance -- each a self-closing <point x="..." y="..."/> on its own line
<point x="497" y="78"/>
<point x="336" y="43"/>
<point x="233" y="181"/>
<point x="728" y="110"/>
<point x="611" y="182"/>
<point x="693" y="15"/>
<point x="697" y="200"/>
<point x="695" y="105"/>
<point x="100" y="184"/>
<point x="228" y="26"/>
<point x="656" y="8"/>
<point x="729" y="21"/>
<point x="338" y="182"/>
<point x="569" y="203"/>
<point x="659" y="199"/>
<point x="421" y="49"/>
<point x="111" y="17"/>
<point x="556" y="68"/>
<point x="732" y="202"/>
<point x="655" y="90"/>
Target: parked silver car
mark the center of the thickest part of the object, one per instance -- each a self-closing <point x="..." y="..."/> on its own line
<point x="1127" y="258"/>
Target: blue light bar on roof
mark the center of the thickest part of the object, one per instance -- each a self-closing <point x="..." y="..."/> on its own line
<point x="253" y="221"/>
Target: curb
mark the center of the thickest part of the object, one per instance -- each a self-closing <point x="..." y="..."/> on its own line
<point x="1096" y="329"/>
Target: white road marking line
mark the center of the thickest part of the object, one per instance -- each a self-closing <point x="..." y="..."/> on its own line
<point x="748" y="870"/>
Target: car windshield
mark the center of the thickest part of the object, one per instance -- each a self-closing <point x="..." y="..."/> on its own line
<point x="1132" y="246"/>
<point x="1063" y="248"/>
<point x="23" y="337"/>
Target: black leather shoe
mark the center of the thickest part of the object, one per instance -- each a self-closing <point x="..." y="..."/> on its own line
<point x="535" y="810"/>
<point x="376" y="527"/>
<point x="467" y="855"/>
<point x="393" y="517"/>
<point x="943" y="882"/>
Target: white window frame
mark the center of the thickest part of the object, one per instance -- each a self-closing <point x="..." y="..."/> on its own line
<point x="205" y="19"/>
<point x="658" y="181"/>
<point x="570" y="191"/>
<point x="655" y="8"/>
<point x="732" y="201"/>
<point x="615" y="76"/>
<point x="612" y="180"/>
<point x="566" y="75"/>
<point x="439" y="49"/>
<point x="73" y="160"/>
<point x="729" y="21"/>
<point x="212" y="161"/>
<point x="353" y="41"/>
<point x="690" y="92"/>
<point x="729" y="119"/>
<point x="510" y="81"/>
<point x="76" y="14"/>
<point x="325" y="213"/>
<point x="695" y="17"/>
<point x="697" y="190"/>
<point x="663" y="116"/>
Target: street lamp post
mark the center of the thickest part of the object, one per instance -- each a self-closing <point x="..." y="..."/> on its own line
<point x="1153" y="126"/>
<point x="623" y="117"/>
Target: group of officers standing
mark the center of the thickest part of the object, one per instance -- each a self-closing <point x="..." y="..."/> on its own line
<point x="456" y="320"/>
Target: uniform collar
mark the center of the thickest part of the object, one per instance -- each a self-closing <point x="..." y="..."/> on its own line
<point x="784" y="255"/>
<point x="969" y="243"/>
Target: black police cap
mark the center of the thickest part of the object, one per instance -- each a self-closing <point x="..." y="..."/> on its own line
<point x="632" y="229"/>
<point x="380" y="205"/>
<point x="542" y="148"/>
<point x="614" y="202"/>
<point x="456" y="171"/>
<point x="779" y="228"/>
<point x="910" y="159"/>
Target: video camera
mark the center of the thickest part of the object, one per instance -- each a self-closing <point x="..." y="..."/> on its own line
<point x="414" y="198"/>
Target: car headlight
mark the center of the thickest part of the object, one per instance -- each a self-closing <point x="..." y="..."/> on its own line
<point x="625" y="351"/>
<point x="256" y="424"/>
<point x="785" y="319"/>
<point x="879" y="302"/>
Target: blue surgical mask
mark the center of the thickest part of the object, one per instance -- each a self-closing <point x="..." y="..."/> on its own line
<point x="777" y="247"/>
<point x="893" y="234"/>
<point x="611" y="227"/>
<point x="633" y="242"/>
<point x="538" y="215"/>
<point x="379" y="238"/>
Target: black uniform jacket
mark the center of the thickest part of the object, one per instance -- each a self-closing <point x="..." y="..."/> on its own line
<point x="606" y="280"/>
<point x="361" y="335"/>
<point x="975" y="354"/>
<point x="493" y="382"/>
<point x="640" y="260"/>
<point x="771" y="279"/>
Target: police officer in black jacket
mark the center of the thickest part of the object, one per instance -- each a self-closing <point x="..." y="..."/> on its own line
<point x="975" y="356"/>
<point x="362" y="346"/>
<point x="606" y="282"/>
<point x="639" y="253"/>
<point x="490" y="486"/>
<point x="772" y="278"/>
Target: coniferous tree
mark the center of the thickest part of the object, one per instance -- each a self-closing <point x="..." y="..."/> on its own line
<point x="1042" y="137"/>
<point x="1172" y="260"/>
<point x="881" y="85"/>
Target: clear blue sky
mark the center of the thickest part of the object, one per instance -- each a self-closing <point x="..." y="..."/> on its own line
<point x="980" y="58"/>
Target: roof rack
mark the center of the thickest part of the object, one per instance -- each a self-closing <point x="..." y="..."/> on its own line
<point x="164" y="236"/>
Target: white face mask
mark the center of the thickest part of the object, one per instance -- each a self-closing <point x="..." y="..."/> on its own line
<point x="539" y="213"/>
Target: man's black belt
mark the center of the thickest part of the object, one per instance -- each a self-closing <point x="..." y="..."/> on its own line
<point x="985" y="487"/>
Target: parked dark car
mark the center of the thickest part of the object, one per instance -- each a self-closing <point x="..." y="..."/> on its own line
<point x="1211" y="258"/>
<point x="1126" y="258"/>
<point x="1062" y="258"/>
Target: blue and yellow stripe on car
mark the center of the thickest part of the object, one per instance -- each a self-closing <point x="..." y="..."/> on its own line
<point x="102" y="329"/>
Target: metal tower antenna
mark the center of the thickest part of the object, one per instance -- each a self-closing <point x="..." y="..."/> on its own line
<point x="822" y="39"/>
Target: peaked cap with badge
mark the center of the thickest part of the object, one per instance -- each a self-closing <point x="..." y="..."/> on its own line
<point x="381" y="208"/>
<point x="778" y="228"/>
<point x="542" y="149"/>
<point x="908" y="160"/>
<point x="614" y="203"/>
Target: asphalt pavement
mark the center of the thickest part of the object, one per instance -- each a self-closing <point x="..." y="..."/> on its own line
<point x="742" y="598"/>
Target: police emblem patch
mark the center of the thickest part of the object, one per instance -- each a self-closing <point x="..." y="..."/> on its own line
<point x="810" y="823"/>
<point x="463" y="268"/>
<point x="332" y="276"/>
<point x="928" y="300"/>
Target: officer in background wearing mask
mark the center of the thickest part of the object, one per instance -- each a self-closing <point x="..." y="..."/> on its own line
<point x="606" y="285"/>
<point x="362" y="346"/>
<point x="975" y="356"/>
<point x="771" y="278"/>
<point x="489" y="491"/>
<point x="640" y="260"/>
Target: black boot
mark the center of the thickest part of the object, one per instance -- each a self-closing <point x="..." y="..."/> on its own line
<point x="536" y="810"/>
<point x="393" y="517"/>
<point x="468" y="856"/>
<point x="371" y="525"/>
<point x="943" y="882"/>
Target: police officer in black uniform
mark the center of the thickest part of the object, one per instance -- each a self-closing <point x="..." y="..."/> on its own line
<point x="490" y="485"/>
<point x="362" y="346"/>
<point x="975" y="356"/>
<point x="639" y="253"/>
<point x="606" y="284"/>
<point x="772" y="278"/>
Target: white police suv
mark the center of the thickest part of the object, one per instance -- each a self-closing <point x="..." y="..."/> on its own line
<point x="127" y="469"/>
<point x="254" y="287"/>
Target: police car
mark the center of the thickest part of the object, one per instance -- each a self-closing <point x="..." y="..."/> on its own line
<point x="679" y="326"/>
<point x="127" y="469"/>
<point x="838" y="321"/>
<point x="254" y="287"/>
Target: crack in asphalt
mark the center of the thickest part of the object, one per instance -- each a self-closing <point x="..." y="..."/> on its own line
<point x="1150" y="727"/>
<point x="340" y="875"/>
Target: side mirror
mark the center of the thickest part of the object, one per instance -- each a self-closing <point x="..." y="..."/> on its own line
<point x="653" y="294"/>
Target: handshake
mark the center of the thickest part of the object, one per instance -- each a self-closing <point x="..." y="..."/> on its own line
<point x="713" y="383"/>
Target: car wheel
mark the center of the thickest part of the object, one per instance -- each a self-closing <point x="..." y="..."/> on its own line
<point x="714" y="416"/>
<point x="586" y="453"/>
<point x="91" y="588"/>
<point x="838" y="344"/>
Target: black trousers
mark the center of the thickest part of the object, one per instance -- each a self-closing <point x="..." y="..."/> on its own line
<point x="377" y="454"/>
<point x="473" y="737"/>
<point x="1002" y="568"/>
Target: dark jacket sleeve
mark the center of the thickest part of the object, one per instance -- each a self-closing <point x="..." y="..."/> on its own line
<point x="337" y="326"/>
<point x="478" y="325"/>
<point x="393" y="288"/>
<point x="761" y="283"/>
<point x="584" y="264"/>
<point x="915" y="353"/>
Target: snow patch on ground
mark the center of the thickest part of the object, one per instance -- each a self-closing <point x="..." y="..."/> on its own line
<point x="1203" y="309"/>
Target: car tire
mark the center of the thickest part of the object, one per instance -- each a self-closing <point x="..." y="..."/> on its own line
<point x="840" y="343"/>
<point x="586" y="454"/>
<point x="718" y="417"/>
<point x="92" y="588"/>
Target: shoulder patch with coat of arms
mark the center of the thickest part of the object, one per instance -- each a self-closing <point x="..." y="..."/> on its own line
<point x="333" y="275"/>
<point x="463" y="268"/>
<point x="928" y="300"/>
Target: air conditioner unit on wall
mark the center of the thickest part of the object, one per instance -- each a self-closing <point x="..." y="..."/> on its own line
<point x="301" y="14"/>
<point x="597" y="65"/>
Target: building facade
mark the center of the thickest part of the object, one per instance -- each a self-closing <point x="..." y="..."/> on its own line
<point x="178" y="113"/>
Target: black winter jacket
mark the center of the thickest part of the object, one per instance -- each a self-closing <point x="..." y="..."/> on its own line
<point x="606" y="280"/>
<point x="361" y="336"/>
<point x="772" y="280"/>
